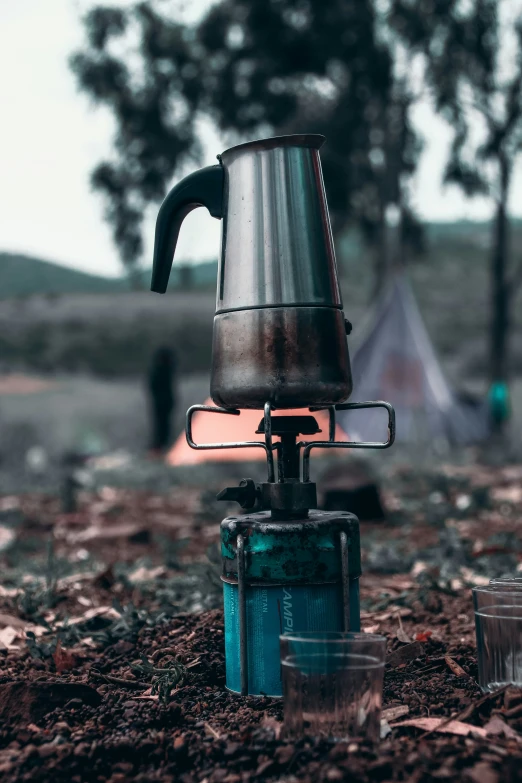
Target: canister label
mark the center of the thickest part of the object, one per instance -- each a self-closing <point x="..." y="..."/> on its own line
<point x="272" y="611"/>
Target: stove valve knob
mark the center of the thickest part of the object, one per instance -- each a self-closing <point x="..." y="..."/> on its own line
<point x="246" y="494"/>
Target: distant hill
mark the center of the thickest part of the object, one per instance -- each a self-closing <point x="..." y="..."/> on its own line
<point x="97" y="325"/>
<point x="22" y="276"/>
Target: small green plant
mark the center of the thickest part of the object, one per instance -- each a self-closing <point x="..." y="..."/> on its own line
<point x="162" y="680"/>
<point x="45" y="648"/>
<point x="37" y="598"/>
<point x="41" y="650"/>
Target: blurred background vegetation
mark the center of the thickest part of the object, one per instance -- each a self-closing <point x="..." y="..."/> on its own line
<point x="354" y="70"/>
<point x="350" y="69"/>
<point x="56" y="320"/>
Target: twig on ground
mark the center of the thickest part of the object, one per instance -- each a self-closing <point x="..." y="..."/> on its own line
<point x="427" y="670"/>
<point x="470" y="709"/>
<point x="164" y="651"/>
<point x="456" y="668"/>
<point x="392" y="713"/>
<point x="212" y="731"/>
<point x="118" y="681"/>
<point x="467" y="712"/>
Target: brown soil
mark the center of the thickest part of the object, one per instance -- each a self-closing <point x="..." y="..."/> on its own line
<point x="94" y="704"/>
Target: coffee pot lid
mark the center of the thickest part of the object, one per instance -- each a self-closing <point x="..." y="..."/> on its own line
<point x="310" y="140"/>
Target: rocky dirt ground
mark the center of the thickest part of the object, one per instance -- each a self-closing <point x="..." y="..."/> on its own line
<point x="111" y="641"/>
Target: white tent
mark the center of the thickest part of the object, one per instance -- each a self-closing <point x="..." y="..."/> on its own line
<point x="395" y="361"/>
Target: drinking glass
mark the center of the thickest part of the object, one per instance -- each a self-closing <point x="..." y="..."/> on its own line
<point x="498" y="624"/>
<point x="332" y="685"/>
<point x="507" y="582"/>
<point x="314" y="641"/>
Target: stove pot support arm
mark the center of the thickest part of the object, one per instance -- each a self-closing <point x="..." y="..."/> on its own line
<point x="203" y="188"/>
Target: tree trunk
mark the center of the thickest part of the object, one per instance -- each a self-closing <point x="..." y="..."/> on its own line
<point x="135" y="278"/>
<point x="500" y="293"/>
<point x="380" y="253"/>
<point x="387" y="249"/>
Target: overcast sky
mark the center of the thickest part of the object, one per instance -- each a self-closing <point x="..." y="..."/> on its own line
<point x="51" y="138"/>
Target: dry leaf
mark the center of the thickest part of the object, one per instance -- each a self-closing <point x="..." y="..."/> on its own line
<point x="7" y="536"/>
<point x="9" y="592"/>
<point x="402" y="636"/>
<point x="105" y="532"/>
<point x="14" y="622"/>
<point x="483" y="773"/>
<point x="143" y="574"/>
<point x="63" y="660"/>
<point x="88" y="641"/>
<point x="440" y="725"/>
<point x="401" y="583"/>
<point x="96" y="611"/>
<point x="72" y="579"/>
<point x="275" y="725"/>
<point x="371" y="628"/>
<point x="423" y="636"/>
<point x="497" y="727"/>
<point x="418" y="568"/>
<point x="7" y="637"/>
<point x="385" y="728"/>
<point x="9" y="503"/>
<point x="392" y="713"/>
<point x="456" y="585"/>
<point x="401" y="611"/>
<point x="404" y="654"/>
<point x="38" y="630"/>
<point x="474" y="579"/>
<point x="507" y="494"/>
<point x="457" y="670"/>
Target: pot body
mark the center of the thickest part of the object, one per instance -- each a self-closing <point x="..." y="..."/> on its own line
<point x="277" y="247"/>
<point x="288" y="356"/>
<point x="279" y="330"/>
<point x="279" y="333"/>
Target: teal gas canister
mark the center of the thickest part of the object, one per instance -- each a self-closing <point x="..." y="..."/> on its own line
<point x="283" y="577"/>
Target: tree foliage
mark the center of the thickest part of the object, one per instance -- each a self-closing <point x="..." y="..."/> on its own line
<point x="254" y="67"/>
<point x="473" y="58"/>
<point x="473" y="80"/>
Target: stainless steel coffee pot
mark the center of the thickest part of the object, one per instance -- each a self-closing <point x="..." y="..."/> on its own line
<point x="279" y="328"/>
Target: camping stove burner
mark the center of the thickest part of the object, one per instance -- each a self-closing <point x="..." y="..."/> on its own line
<point x="286" y="566"/>
<point x="279" y="339"/>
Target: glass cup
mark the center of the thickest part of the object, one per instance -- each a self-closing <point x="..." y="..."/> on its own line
<point x="498" y="625"/>
<point x="507" y="582"/>
<point x="332" y="685"/>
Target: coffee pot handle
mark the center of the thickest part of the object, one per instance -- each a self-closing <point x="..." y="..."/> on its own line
<point x="203" y="188"/>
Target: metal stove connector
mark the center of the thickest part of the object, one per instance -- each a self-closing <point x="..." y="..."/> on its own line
<point x="293" y="494"/>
